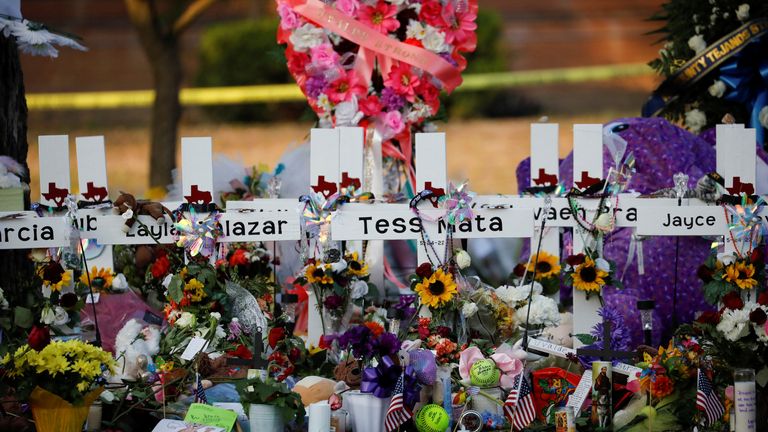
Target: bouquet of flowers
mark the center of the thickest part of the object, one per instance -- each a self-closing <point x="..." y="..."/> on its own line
<point x="67" y="369"/>
<point x="725" y="273"/>
<point x="439" y="338"/>
<point x="590" y="272"/>
<point x="367" y="341"/>
<point x="435" y="286"/>
<point x="250" y="266"/>
<point x="547" y="272"/>
<point x="195" y="290"/>
<point x="539" y="310"/>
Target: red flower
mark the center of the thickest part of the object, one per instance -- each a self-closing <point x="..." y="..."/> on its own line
<point x="444" y="331"/>
<point x="276" y="334"/>
<point x="403" y="81"/>
<point x="575" y="260"/>
<point x="756" y="256"/>
<point x="370" y="106"/>
<point x="375" y="328"/>
<point x="519" y="270"/>
<point x="424" y="270"/>
<point x="709" y="317"/>
<point x="39" y="337"/>
<point x="345" y="87"/>
<point x="297" y="61"/>
<point x="662" y="387"/>
<point x="381" y="17"/>
<point x="432" y="13"/>
<point x="294" y="354"/>
<point x="733" y="300"/>
<point x="704" y="273"/>
<point x="160" y="267"/>
<point x="758" y="316"/>
<point x="242" y="352"/>
<point x="763" y="298"/>
<point x="238" y="258"/>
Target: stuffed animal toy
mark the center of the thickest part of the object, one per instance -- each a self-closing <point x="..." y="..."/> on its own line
<point x="349" y="371"/>
<point x="129" y="207"/>
<point x="317" y="389"/>
<point x="135" y="345"/>
<point x="560" y="335"/>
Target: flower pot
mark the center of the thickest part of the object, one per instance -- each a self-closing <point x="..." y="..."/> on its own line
<point x="265" y="418"/>
<point x="54" y="414"/>
<point x="366" y="411"/>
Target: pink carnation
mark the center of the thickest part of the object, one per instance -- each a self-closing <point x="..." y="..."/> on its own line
<point x="348" y="7"/>
<point x="393" y="121"/>
<point x="344" y="87"/>
<point x="370" y="106"/>
<point x="323" y="56"/>
<point x="461" y="32"/>
<point x="403" y="81"/>
<point x="380" y="17"/>
<point x="432" y="13"/>
<point x="289" y="20"/>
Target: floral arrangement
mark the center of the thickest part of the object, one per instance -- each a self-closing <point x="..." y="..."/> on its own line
<point x="730" y="86"/>
<point x="725" y="273"/>
<point x="367" y="341"/>
<point x="590" y="272"/>
<point x="547" y="272"/>
<point x="436" y="287"/>
<point x="277" y="394"/>
<point x="439" y="338"/>
<point x="68" y="369"/>
<point x="194" y="290"/>
<point x="104" y="280"/>
<point x="250" y="266"/>
<point x="539" y="310"/>
<point x="339" y="282"/>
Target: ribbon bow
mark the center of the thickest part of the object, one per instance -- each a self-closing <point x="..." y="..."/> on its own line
<point x="381" y="380"/>
<point x="746" y="76"/>
<point x="507" y="359"/>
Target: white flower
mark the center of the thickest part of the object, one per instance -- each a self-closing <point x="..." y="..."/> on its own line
<point x="469" y="309"/>
<point x="733" y="323"/>
<point x="338" y="266"/>
<point x="220" y="333"/>
<point x="8" y="181"/>
<point x="119" y="283"/>
<point x="216" y="315"/>
<point x="463" y="260"/>
<point x="717" y="89"/>
<point x="323" y="102"/>
<point x="764" y="116"/>
<point x="396" y="2"/>
<point x="742" y="12"/>
<point x="712" y="19"/>
<point x="695" y="119"/>
<point x="726" y="258"/>
<point x="699" y="29"/>
<point x="697" y="43"/>
<point x="3" y="301"/>
<point x="434" y="40"/>
<point x="47" y="316"/>
<point x="418" y="111"/>
<point x="46" y="290"/>
<point x="127" y="214"/>
<point x="185" y="320"/>
<point x="602" y="264"/>
<point x="726" y="15"/>
<point x="513" y="295"/>
<point x="359" y="289"/>
<point x="415" y="30"/>
<point x="347" y="113"/>
<point x="60" y="316"/>
<point x="167" y="280"/>
<point x="543" y="311"/>
<point x="306" y="37"/>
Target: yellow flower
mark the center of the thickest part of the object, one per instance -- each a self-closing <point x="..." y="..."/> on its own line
<point x="196" y="290"/>
<point x="587" y="277"/>
<point x="82" y="386"/>
<point x="746" y="272"/>
<point x="316" y="275"/>
<point x="66" y="278"/>
<point x="437" y="290"/>
<point x="731" y="273"/>
<point x="101" y="279"/>
<point x="546" y="265"/>
<point x="356" y="266"/>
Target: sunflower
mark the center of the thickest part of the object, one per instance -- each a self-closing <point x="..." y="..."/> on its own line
<point x="317" y="275"/>
<point x="731" y="273"/>
<point x="745" y="279"/>
<point x="587" y="277"/>
<point x="195" y="289"/>
<point x="437" y="290"/>
<point x="101" y="278"/>
<point x="62" y="282"/>
<point x="546" y="265"/>
<point x="356" y="266"/>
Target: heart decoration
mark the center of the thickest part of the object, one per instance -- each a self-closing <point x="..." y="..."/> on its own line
<point x="377" y="63"/>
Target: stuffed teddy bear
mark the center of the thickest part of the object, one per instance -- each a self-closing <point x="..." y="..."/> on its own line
<point x="129" y="207"/>
<point x="349" y="371"/>
<point x="135" y="345"/>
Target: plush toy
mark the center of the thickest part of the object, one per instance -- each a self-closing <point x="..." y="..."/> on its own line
<point x="349" y="371"/>
<point x="316" y="389"/>
<point x="560" y="335"/>
<point x="135" y="345"/>
<point x="129" y="207"/>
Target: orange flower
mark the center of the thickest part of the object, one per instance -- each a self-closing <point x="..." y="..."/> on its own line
<point x="375" y="328"/>
<point x="662" y="387"/>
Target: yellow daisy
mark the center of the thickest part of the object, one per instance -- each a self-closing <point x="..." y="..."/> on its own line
<point x="546" y="265"/>
<point x="436" y="290"/>
<point x="101" y="279"/>
<point x="587" y="277"/>
<point x="317" y="275"/>
<point x="356" y="266"/>
<point x="196" y="290"/>
<point x="745" y="279"/>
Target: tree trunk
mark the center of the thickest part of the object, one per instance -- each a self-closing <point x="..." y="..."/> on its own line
<point x="15" y="267"/>
<point x="166" y="111"/>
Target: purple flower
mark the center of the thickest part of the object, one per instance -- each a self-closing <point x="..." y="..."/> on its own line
<point x="620" y="336"/>
<point x="391" y="100"/>
<point x="386" y="344"/>
<point x="405" y="307"/>
<point x="315" y="85"/>
<point x="333" y="302"/>
<point x="235" y="329"/>
<point x="358" y="340"/>
<point x="447" y="57"/>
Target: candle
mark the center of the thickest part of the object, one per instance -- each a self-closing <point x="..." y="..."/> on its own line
<point x="744" y="396"/>
<point x="319" y="417"/>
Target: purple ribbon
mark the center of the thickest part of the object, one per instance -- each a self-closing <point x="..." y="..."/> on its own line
<point x="381" y="380"/>
<point x="411" y="387"/>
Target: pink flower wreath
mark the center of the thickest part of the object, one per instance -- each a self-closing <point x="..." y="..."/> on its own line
<point x="377" y="63"/>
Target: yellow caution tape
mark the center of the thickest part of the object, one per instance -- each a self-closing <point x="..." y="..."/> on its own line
<point x="291" y="92"/>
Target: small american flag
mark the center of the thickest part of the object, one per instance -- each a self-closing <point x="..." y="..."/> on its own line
<point x="706" y="399"/>
<point x="397" y="413"/>
<point x="199" y="391"/>
<point x="518" y="407"/>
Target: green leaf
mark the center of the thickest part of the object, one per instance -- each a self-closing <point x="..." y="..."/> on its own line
<point x="373" y="292"/>
<point x="174" y="289"/>
<point x="22" y="317"/>
<point x="586" y="339"/>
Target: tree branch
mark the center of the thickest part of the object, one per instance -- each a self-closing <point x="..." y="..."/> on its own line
<point x="191" y="14"/>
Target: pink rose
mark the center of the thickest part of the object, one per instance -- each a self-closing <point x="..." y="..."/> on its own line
<point x="393" y="121"/>
<point x="288" y="18"/>
<point x="348" y="7"/>
<point x="323" y="56"/>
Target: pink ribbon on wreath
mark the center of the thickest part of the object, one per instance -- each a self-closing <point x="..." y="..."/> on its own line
<point x="505" y="358"/>
<point x="375" y="45"/>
